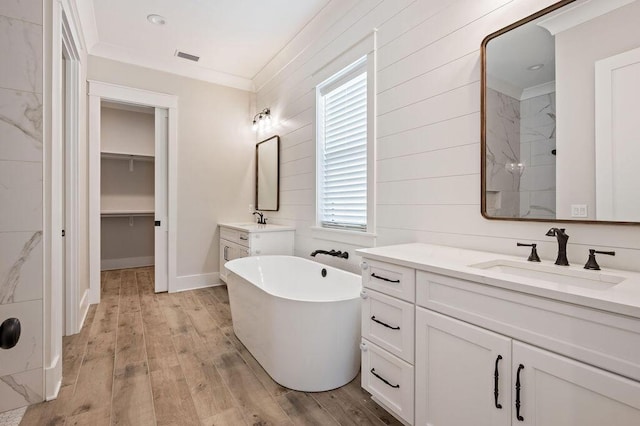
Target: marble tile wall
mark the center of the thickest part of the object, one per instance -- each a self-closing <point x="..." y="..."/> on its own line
<point x="537" y="140"/>
<point x="21" y="210"/>
<point x="503" y="147"/>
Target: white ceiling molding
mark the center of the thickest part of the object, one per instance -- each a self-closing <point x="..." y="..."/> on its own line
<point x="539" y="90"/>
<point x="579" y="12"/>
<point x="503" y="87"/>
<point x="173" y="65"/>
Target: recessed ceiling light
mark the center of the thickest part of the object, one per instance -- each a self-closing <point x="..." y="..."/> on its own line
<point x="535" y="67"/>
<point x="156" y="19"/>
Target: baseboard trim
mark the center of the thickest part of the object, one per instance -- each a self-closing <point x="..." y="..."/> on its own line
<point x="127" y="262"/>
<point x="193" y="282"/>
<point x="53" y="379"/>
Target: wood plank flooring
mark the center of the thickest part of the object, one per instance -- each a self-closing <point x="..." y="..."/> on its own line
<point x="173" y="359"/>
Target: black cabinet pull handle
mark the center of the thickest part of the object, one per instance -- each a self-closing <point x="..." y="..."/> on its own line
<point x="373" y="318"/>
<point x="496" y="377"/>
<point x="518" y="416"/>
<point x="373" y="371"/>
<point x="384" y="279"/>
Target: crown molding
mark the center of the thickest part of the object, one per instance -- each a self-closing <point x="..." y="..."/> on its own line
<point x="173" y="66"/>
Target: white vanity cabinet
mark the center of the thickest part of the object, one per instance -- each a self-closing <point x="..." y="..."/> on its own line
<point x="456" y="369"/>
<point x="488" y="355"/>
<point x="249" y="239"/>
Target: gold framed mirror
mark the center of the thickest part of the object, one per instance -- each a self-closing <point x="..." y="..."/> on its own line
<point x="560" y="94"/>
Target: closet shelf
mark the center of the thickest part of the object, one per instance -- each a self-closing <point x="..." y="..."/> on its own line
<point x="124" y="156"/>
<point x="126" y="213"/>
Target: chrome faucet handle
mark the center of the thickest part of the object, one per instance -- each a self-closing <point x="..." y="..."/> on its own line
<point x="591" y="262"/>
<point x="533" y="257"/>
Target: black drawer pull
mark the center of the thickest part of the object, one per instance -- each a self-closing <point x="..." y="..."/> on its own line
<point x="518" y="416"/>
<point x="384" y="279"/>
<point x="373" y="371"/>
<point x="496" y="377"/>
<point x="373" y="318"/>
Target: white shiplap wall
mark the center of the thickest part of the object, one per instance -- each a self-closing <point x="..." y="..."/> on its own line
<point x="428" y="128"/>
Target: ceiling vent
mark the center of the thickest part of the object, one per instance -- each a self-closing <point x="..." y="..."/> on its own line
<point x="187" y="56"/>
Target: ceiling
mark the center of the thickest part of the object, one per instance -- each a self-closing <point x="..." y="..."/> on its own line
<point x="233" y="38"/>
<point x="510" y="55"/>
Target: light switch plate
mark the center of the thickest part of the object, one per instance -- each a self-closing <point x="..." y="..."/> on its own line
<point x="579" y="210"/>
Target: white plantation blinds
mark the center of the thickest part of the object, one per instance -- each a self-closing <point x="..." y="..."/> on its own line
<point x="342" y="201"/>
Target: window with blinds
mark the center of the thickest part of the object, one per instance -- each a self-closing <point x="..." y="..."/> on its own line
<point x="342" y="150"/>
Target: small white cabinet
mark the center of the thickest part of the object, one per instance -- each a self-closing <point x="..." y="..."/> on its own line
<point x="242" y="240"/>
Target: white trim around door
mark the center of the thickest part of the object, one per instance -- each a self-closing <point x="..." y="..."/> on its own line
<point x="64" y="308"/>
<point x="99" y="91"/>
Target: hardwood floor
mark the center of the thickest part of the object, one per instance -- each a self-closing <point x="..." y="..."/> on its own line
<point x="173" y="359"/>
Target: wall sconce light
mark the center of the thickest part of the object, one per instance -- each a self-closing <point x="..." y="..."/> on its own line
<point x="262" y="119"/>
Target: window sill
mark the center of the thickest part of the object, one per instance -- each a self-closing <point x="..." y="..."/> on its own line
<point x="356" y="238"/>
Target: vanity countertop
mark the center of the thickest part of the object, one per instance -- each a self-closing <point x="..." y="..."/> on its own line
<point x="622" y="298"/>
<point x="254" y="227"/>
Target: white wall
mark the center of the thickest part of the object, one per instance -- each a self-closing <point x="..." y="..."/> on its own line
<point x="125" y="131"/>
<point x="215" y="158"/>
<point x="575" y="74"/>
<point x="428" y="127"/>
<point x="126" y="243"/>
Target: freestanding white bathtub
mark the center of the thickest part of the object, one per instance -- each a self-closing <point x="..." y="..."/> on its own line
<point x="301" y="326"/>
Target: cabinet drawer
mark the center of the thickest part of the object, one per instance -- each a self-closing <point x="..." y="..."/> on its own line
<point x="235" y="236"/>
<point x="394" y="280"/>
<point x="389" y="323"/>
<point x="389" y="379"/>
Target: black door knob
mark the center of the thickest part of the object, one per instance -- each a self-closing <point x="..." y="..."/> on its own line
<point x="9" y="333"/>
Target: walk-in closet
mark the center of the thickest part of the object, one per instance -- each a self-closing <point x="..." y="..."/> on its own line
<point x="127" y="185"/>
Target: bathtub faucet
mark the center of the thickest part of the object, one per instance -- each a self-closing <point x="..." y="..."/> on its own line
<point x="261" y="219"/>
<point x="342" y="255"/>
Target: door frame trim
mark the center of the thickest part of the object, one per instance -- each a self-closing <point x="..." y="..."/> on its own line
<point x="63" y="36"/>
<point x="604" y="68"/>
<point x="98" y="91"/>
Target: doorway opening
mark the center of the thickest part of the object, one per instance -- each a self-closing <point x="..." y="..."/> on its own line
<point x="132" y="135"/>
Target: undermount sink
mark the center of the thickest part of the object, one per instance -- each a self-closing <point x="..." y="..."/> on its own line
<point x="551" y="273"/>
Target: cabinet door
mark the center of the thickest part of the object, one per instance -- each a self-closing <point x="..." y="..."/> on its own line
<point x="555" y="390"/>
<point x="455" y="367"/>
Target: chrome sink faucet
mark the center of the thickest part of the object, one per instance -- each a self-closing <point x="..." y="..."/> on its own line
<point x="562" y="238"/>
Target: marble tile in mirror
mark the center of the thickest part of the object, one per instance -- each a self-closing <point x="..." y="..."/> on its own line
<point x="560" y="101"/>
